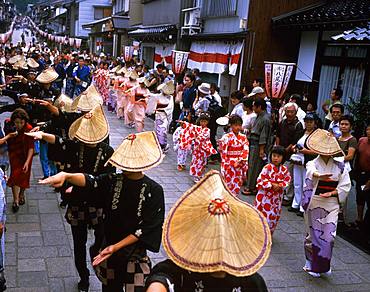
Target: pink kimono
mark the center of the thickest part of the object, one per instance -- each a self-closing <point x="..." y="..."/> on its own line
<point x="199" y="137"/>
<point x="135" y="112"/>
<point x="234" y="151"/>
<point x="269" y="201"/>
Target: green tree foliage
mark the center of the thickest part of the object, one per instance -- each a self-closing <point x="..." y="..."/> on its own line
<point x="360" y="110"/>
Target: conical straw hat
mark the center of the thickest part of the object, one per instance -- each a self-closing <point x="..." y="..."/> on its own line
<point x="88" y="99"/>
<point x="32" y="63"/>
<point x="167" y="88"/>
<point x="323" y="142"/>
<point x="91" y="128"/>
<point x="138" y="152"/>
<point x="115" y="69"/>
<point x="67" y="107"/>
<point x="15" y="59"/>
<point x="209" y="230"/>
<point x="47" y="76"/>
<point x="132" y="74"/>
<point x="123" y="70"/>
<point x="20" y="64"/>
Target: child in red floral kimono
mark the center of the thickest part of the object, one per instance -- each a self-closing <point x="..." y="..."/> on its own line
<point x="234" y="150"/>
<point x="199" y="136"/>
<point x="271" y="182"/>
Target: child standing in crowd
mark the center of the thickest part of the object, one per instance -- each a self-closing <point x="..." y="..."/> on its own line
<point x="199" y="137"/>
<point x="182" y="154"/>
<point x="234" y="150"/>
<point x="271" y="182"/>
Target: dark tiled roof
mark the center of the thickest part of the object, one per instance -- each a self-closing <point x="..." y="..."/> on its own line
<point x="329" y="14"/>
<point x="357" y="34"/>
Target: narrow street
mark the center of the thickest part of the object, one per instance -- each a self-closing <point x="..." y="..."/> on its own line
<point x="39" y="255"/>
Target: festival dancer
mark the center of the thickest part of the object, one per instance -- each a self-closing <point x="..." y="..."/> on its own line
<point x="85" y="152"/>
<point x="162" y="105"/>
<point x="134" y="207"/>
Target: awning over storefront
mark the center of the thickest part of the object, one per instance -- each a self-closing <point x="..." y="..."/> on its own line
<point x="356" y="34"/>
<point x="325" y="15"/>
<point x="215" y="57"/>
<point x="156" y="29"/>
<point x="115" y="21"/>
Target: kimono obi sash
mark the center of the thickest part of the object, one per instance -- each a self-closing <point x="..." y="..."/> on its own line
<point x="138" y="96"/>
<point x="325" y="186"/>
<point x="234" y="153"/>
<point x="161" y="106"/>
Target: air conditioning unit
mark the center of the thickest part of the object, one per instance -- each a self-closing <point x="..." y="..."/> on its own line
<point x="192" y="17"/>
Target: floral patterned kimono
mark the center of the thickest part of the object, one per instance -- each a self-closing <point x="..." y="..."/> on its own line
<point x="199" y="137"/>
<point x="182" y="154"/>
<point x="321" y="214"/>
<point x="267" y="200"/>
<point x="135" y="112"/>
<point x="126" y="100"/>
<point x="234" y="151"/>
<point x="101" y="80"/>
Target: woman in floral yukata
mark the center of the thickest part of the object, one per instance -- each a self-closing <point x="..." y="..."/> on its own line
<point x="199" y="136"/>
<point x="271" y="182"/>
<point x="234" y="150"/>
<point x="326" y="188"/>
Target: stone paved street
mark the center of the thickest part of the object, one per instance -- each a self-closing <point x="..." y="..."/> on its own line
<point x="39" y="254"/>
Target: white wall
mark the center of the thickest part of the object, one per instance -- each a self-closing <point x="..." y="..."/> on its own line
<point x="86" y="14"/>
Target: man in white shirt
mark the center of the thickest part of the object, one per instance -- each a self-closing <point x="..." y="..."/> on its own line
<point x="336" y="112"/>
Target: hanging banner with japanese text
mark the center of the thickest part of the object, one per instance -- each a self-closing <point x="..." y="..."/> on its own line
<point x="277" y="76"/>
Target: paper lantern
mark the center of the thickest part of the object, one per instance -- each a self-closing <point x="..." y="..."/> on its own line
<point x="128" y="51"/>
<point x="179" y="59"/>
<point x="78" y="42"/>
<point x="277" y="76"/>
<point x="71" y="42"/>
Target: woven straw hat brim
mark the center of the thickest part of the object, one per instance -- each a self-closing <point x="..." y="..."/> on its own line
<point x="88" y="99"/>
<point x="115" y="69"/>
<point x="237" y="243"/>
<point x="132" y="74"/>
<point x="90" y="131"/>
<point x="15" y="59"/>
<point x="32" y="63"/>
<point x="139" y="154"/>
<point x="323" y="142"/>
<point x="47" y="76"/>
<point x="67" y="103"/>
<point x="123" y="70"/>
<point x="167" y="88"/>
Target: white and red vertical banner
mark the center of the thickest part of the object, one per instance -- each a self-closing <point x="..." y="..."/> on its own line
<point x="235" y="52"/>
<point x="277" y="76"/>
<point x="163" y="55"/>
<point x="179" y="60"/>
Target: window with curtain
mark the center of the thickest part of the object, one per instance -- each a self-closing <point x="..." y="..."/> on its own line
<point x="352" y="81"/>
<point x="219" y="8"/>
<point x="332" y="51"/>
<point x="102" y="12"/>
<point x="329" y="76"/>
<point x="356" y="52"/>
